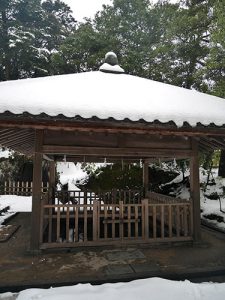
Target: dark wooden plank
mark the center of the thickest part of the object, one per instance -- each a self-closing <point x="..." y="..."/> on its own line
<point x="146" y="218"/>
<point x="76" y="229"/>
<point x="58" y="221"/>
<point x="129" y="220"/>
<point x="36" y="196"/>
<point x="50" y="225"/>
<point x="113" y="221"/>
<point x="68" y="224"/>
<point x="136" y="221"/>
<point x="85" y="223"/>
<point x="24" y="122"/>
<point x="95" y="220"/>
<point x="170" y="220"/>
<point x="105" y="223"/>
<point x="195" y="190"/>
<point x="121" y="226"/>
<point x="122" y="152"/>
<point x="185" y="220"/>
<point x="162" y="221"/>
<point x="154" y="224"/>
<point x="177" y="220"/>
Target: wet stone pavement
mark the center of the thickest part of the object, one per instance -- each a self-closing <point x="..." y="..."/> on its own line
<point x="20" y="269"/>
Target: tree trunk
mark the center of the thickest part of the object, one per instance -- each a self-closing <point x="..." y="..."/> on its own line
<point x="222" y="164"/>
<point x="6" y="45"/>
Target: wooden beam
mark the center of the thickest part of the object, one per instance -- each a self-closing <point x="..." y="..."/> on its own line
<point x="19" y="143"/>
<point x="17" y="138"/>
<point x="115" y="152"/>
<point x="115" y="140"/>
<point x="195" y="191"/>
<point x="107" y="126"/>
<point x="36" y="195"/>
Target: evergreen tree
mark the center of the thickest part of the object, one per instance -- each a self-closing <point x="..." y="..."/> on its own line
<point x="216" y="61"/>
<point x="187" y="44"/>
<point x="29" y="32"/>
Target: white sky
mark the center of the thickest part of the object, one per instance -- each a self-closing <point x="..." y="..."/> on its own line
<point x="88" y="8"/>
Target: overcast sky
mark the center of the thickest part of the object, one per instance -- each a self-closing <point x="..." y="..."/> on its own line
<point x="88" y="8"/>
<point x="85" y="8"/>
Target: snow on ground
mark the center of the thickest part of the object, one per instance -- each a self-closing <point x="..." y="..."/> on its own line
<point x="208" y="206"/>
<point x="16" y="204"/>
<point x="212" y="206"/>
<point x="70" y="173"/>
<point x="152" y="288"/>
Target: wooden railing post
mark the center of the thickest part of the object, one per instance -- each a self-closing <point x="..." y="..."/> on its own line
<point x="95" y="220"/>
<point x="36" y="198"/>
<point x="146" y="218"/>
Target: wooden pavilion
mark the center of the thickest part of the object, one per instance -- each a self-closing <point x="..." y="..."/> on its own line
<point x="102" y="115"/>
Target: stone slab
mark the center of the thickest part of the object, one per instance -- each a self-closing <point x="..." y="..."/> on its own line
<point x="118" y="270"/>
<point x="125" y="255"/>
<point x="145" y="268"/>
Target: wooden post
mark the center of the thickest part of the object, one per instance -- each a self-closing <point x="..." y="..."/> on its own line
<point x="52" y="182"/>
<point x="145" y="177"/>
<point x="195" y="190"/>
<point x="36" y="192"/>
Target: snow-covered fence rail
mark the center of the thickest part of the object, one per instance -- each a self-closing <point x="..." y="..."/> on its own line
<point x="95" y="223"/>
<point x="20" y="188"/>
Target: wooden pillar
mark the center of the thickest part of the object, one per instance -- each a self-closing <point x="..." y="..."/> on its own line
<point x="145" y="177"/>
<point x="195" y="190"/>
<point x="36" y="193"/>
<point x="52" y="172"/>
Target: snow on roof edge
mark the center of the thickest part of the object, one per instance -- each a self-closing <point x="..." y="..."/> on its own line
<point x="116" y="96"/>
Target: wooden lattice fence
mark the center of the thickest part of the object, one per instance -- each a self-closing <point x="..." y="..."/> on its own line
<point x="20" y="188"/>
<point x="94" y="222"/>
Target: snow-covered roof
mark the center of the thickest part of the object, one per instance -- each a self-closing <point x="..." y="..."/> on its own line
<point x="108" y="95"/>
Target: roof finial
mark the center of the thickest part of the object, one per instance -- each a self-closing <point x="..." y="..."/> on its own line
<point x="111" y="64"/>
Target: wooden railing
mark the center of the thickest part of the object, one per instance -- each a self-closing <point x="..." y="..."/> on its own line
<point x="21" y="188"/>
<point x="98" y="223"/>
<point x="87" y="197"/>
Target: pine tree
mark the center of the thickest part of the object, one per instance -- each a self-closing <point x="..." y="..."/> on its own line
<point x="187" y="44"/>
<point x="29" y="32"/>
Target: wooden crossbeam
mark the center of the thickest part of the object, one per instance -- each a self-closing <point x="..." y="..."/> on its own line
<point x="115" y="152"/>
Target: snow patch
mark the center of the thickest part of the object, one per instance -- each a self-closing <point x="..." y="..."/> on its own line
<point x="154" y="288"/>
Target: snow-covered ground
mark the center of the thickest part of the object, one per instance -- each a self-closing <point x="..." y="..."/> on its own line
<point x="16" y="204"/>
<point x="209" y="207"/>
<point x="214" y="206"/>
<point x="152" y="288"/>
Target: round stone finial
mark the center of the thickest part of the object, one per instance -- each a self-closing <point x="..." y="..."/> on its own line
<point x="111" y="64"/>
<point x="111" y="58"/>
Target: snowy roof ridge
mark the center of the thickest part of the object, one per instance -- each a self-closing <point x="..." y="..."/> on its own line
<point x="107" y="95"/>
